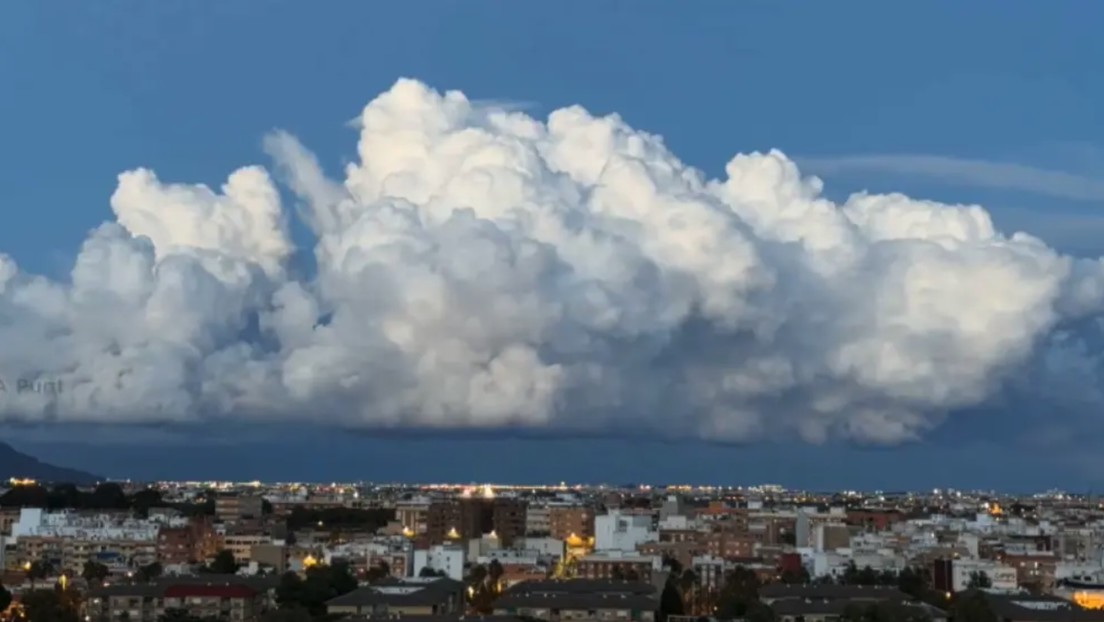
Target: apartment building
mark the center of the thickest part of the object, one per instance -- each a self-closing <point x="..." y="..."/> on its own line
<point x="399" y="598"/>
<point x="70" y="554"/>
<point x="241" y="545"/>
<point x="617" y="565"/>
<point x="236" y="599"/>
<point x="188" y="544"/>
<point x="235" y="508"/>
<point x="413" y="515"/>
<point x="471" y="518"/>
<point x="567" y="521"/>
<point x="556" y="601"/>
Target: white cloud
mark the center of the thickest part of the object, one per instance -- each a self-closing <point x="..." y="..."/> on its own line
<point x="982" y="173"/>
<point x="481" y="268"/>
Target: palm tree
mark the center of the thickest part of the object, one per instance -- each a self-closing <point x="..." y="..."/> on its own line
<point x="494" y="573"/>
<point x="688" y="582"/>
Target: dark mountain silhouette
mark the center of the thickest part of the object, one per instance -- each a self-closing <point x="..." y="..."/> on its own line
<point x="14" y="464"/>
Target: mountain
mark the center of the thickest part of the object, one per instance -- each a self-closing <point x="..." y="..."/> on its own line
<point x="14" y="464"/>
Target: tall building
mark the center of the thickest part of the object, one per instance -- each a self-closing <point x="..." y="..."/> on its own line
<point x="565" y="521"/>
<point x="618" y="531"/>
<point x="233" y="508"/>
<point x="470" y="518"/>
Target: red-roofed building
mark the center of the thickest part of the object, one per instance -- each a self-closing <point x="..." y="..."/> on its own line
<point x="226" y="602"/>
<point x="231" y="599"/>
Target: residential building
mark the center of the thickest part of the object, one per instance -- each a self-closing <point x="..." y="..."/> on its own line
<point x="618" y="531"/>
<point x="565" y="521"/>
<point x="555" y="601"/>
<point x="446" y="558"/>
<point x="408" y="597"/>
<point x="236" y="507"/>
<point x="236" y="599"/>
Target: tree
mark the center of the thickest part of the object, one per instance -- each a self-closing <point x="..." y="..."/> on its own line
<point x="972" y="606"/>
<point x="979" y="580"/>
<point x="143" y="500"/>
<point x="495" y="571"/>
<point x="672" y="564"/>
<point x="688" y="583"/>
<point x="5" y="598"/>
<point x="867" y="576"/>
<point x="380" y="571"/>
<point x="288" y="591"/>
<point x="149" y="572"/>
<point x="37" y="570"/>
<point x="670" y="601"/>
<point x="322" y="583"/>
<point x="796" y="577"/>
<point x="109" y="496"/>
<point x="223" y="563"/>
<point x="49" y="606"/>
<point x="427" y="572"/>
<point x="740" y="591"/>
<point x="94" y="572"/>
<point x="477" y="575"/>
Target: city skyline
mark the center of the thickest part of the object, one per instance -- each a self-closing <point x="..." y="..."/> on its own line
<point x="574" y="260"/>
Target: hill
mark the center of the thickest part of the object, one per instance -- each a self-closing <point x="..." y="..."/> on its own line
<point x="14" y="464"/>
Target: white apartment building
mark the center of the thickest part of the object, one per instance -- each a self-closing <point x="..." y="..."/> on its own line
<point x="36" y="522"/>
<point x="538" y="519"/>
<point x="622" y="532"/>
<point x="1002" y="577"/>
<point x="445" y="558"/>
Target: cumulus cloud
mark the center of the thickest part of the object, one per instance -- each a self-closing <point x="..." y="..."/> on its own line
<point x="478" y="268"/>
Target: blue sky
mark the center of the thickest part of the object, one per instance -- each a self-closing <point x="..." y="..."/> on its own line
<point x="935" y="99"/>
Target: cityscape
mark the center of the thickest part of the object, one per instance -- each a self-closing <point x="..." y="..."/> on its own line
<point x="258" y="552"/>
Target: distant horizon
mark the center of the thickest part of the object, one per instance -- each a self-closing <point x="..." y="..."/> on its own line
<point x="340" y="467"/>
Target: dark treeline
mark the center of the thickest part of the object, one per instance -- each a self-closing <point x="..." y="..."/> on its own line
<point x="106" y="496"/>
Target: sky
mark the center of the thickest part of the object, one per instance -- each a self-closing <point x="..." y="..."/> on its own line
<point x="941" y="101"/>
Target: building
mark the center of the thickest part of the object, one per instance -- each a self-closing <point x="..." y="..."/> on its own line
<point x="1024" y="608"/>
<point x="234" y="508"/>
<point x="730" y="545"/>
<point x="538" y="521"/>
<point x="70" y="554"/>
<point x="413" y="515"/>
<point x="446" y="558"/>
<point x="238" y="599"/>
<point x="473" y="517"/>
<point x="396" y="598"/>
<point x="241" y="545"/>
<point x="1002" y="578"/>
<point x="618" y="531"/>
<point x="579" y="599"/>
<point x="176" y="546"/>
<point x="827" y="603"/>
<point x="187" y="544"/>
<point x="807" y="521"/>
<point x="565" y="521"/>
<point x="618" y="565"/>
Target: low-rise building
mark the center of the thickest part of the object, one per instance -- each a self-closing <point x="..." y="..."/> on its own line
<point x="407" y="597"/>
<point x="232" y="598"/>
<point x="555" y="601"/>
